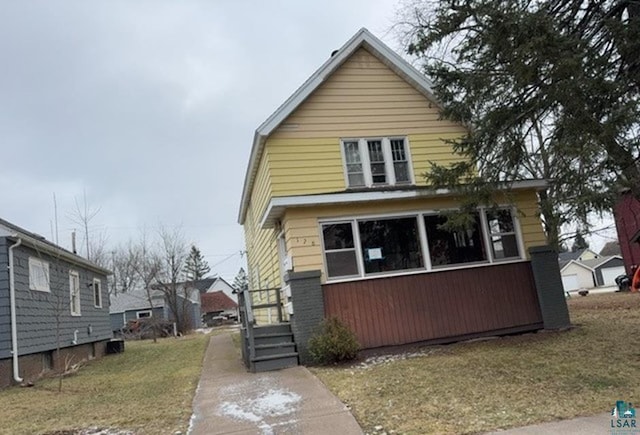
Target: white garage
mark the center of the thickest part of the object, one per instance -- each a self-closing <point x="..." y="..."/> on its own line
<point x="610" y="274"/>
<point x="606" y="269"/>
<point x="570" y="282"/>
<point x="576" y="275"/>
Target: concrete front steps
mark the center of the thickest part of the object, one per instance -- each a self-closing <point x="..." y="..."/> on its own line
<point x="274" y="348"/>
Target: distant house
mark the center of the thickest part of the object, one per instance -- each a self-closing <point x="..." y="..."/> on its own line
<point x="584" y="254"/>
<point x="135" y="305"/>
<point x="595" y="272"/>
<point x="41" y="286"/>
<point x="210" y="285"/>
<point x="217" y="304"/>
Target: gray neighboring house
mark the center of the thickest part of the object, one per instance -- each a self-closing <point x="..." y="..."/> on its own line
<point x="46" y="291"/>
<point x="606" y="269"/>
<point x="135" y="304"/>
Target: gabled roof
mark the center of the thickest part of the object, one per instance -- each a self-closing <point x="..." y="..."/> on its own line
<point x="591" y="264"/>
<point x="577" y="263"/>
<point x="135" y="300"/>
<point x="38" y="242"/>
<point x="596" y="263"/>
<point x="611" y="248"/>
<point x="216" y="301"/>
<point x="362" y="39"/>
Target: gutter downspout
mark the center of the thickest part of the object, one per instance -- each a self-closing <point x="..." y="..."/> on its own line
<point x="14" y="326"/>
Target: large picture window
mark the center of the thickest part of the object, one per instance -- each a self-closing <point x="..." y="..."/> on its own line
<point x="376" y="162"/>
<point x="390" y="244"/>
<point x="454" y="246"/>
<point x="360" y="247"/>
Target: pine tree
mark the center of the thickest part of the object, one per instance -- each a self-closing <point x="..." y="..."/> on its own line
<point x="196" y="267"/>
<point x="241" y="282"/>
<point x="579" y="243"/>
<point x="550" y="89"/>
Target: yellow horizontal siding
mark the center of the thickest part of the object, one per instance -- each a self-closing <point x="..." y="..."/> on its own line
<point x="302" y="230"/>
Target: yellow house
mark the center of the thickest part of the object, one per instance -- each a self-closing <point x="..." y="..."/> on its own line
<point x="335" y="189"/>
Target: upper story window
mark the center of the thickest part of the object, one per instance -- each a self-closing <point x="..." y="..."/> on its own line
<point x="38" y="275"/>
<point x="376" y="162"/>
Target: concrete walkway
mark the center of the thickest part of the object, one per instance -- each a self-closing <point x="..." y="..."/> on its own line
<point x="595" y="425"/>
<point x="230" y="400"/>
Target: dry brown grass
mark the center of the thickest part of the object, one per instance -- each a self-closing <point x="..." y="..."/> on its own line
<point x="147" y="389"/>
<point x="512" y="381"/>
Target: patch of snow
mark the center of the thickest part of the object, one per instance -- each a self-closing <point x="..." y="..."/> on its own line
<point x="275" y="402"/>
<point x="234" y="410"/>
<point x="386" y="359"/>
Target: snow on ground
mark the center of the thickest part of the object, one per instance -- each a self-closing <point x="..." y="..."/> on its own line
<point x="377" y="360"/>
<point x="272" y="403"/>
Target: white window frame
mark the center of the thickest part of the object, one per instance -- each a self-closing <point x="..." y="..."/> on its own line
<point x="97" y="291"/>
<point x="516" y="232"/>
<point x="39" y="277"/>
<point x="76" y="309"/>
<point x="390" y="174"/>
<point x="149" y="312"/>
<point x="424" y="244"/>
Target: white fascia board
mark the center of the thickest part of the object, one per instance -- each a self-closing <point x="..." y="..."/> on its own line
<point x="277" y="205"/>
<point x="584" y="266"/>
<point x="59" y="252"/>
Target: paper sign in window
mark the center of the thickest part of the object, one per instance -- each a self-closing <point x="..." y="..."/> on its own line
<point x="374" y="253"/>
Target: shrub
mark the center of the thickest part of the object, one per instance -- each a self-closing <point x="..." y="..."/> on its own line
<point x="335" y="342"/>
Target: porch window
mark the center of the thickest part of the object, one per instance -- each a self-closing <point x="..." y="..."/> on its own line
<point x="390" y="244"/>
<point x="376" y="162"/>
<point x="369" y="246"/>
<point x="74" y="292"/>
<point x="502" y="234"/>
<point x="454" y="247"/>
<point x="339" y="249"/>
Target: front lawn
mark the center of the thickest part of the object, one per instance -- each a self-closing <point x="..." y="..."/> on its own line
<point x="507" y="382"/>
<point x="148" y="389"/>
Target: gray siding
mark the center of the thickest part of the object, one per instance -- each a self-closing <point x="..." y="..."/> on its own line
<point x="37" y="312"/>
<point x="118" y="320"/>
<point x="5" y="314"/>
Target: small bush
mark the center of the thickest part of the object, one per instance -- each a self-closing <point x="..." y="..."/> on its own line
<point x="334" y="343"/>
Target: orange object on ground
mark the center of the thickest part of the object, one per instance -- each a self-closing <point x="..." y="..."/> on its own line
<point x="635" y="282"/>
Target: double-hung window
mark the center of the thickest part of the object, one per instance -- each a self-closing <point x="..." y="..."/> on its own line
<point x="502" y="234"/>
<point x="340" y="249"/>
<point x="97" y="293"/>
<point x="74" y="293"/>
<point x="38" y="275"/>
<point x="376" y="162"/>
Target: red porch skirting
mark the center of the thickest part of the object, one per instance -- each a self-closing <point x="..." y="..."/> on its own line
<point x="433" y="306"/>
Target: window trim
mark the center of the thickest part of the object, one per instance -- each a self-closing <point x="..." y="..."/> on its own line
<point x="424" y="243"/>
<point x="356" y="243"/>
<point x="390" y="173"/>
<point x="150" y="312"/>
<point x="35" y="286"/>
<point x="74" y="313"/>
<point x="97" y="283"/>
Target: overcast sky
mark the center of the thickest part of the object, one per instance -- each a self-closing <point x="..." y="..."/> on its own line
<point x="150" y="107"/>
